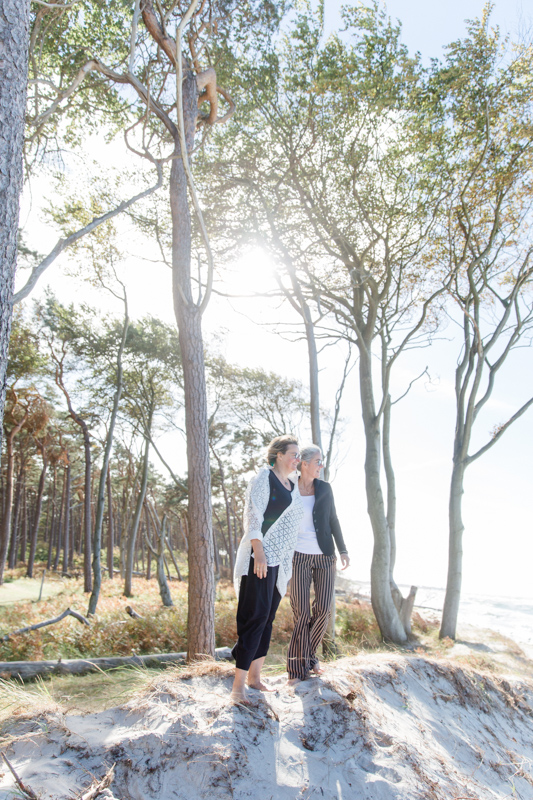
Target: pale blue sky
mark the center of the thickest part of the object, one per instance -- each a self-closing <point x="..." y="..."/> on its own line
<point x="428" y="26"/>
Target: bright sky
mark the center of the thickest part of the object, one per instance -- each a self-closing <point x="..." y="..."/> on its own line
<point x="498" y="508"/>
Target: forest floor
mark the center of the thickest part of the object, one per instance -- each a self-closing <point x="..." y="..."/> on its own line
<point x="434" y="721"/>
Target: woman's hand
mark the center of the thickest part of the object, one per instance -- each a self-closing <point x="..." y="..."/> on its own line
<point x="260" y="562"/>
<point x="345" y="560"/>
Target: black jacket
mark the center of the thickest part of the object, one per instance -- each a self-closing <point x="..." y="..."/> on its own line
<point x="327" y="525"/>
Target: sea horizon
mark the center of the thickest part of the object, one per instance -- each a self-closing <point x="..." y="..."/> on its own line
<point x="511" y="616"/>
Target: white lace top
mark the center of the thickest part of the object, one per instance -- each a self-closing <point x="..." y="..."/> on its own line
<point x="280" y="539"/>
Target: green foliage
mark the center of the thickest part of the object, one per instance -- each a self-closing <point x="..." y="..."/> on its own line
<point x="26" y="360"/>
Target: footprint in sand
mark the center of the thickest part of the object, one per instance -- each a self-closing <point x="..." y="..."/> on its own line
<point x="383" y="739"/>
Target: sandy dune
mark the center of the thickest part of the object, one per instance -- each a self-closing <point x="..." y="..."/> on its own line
<point x="372" y="728"/>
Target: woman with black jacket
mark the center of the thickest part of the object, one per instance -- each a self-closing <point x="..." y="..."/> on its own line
<point x="314" y="562"/>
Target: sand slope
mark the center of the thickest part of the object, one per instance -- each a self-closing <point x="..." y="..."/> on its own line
<point x="372" y="728"/>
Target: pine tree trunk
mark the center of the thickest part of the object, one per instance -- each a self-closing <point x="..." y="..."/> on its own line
<point x="53" y="516"/>
<point x="13" y="539"/>
<point x="110" y="528"/>
<point x="14" y="41"/>
<point x="87" y="516"/>
<point x="37" y="518"/>
<point x="8" y="503"/>
<point x="24" y="532"/>
<point x="132" y="538"/>
<point x="66" y="523"/>
<point x="201" y="601"/>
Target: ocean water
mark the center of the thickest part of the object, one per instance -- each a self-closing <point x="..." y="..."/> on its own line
<point x="510" y="616"/>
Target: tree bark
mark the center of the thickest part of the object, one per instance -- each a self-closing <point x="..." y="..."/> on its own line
<point x="8" y="497"/>
<point x="24" y="526"/>
<point x="13" y="539"/>
<point x="37" y="516"/>
<point x="111" y="527"/>
<point x="132" y="539"/>
<point x="87" y="544"/>
<point x="452" y="598"/>
<point x="27" y="670"/>
<point x="382" y="602"/>
<point x="52" y="502"/>
<point x="201" y="600"/>
<point x="104" y="476"/>
<point x="66" y="524"/>
<point x="14" y="42"/>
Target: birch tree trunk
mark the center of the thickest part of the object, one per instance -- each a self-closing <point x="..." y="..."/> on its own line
<point x="201" y="608"/>
<point x="14" y="41"/>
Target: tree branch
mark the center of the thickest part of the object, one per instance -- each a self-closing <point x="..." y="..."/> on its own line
<point x="64" y="243"/>
<point x="500" y="432"/>
<point x="68" y="612"/>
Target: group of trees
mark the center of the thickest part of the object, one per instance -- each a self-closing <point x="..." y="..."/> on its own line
<point x="393" y="197"/>
<point x="390" y="195"/>
<point x="62" y="385"/>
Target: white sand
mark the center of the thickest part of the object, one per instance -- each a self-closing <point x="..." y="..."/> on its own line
<point x="372" y="728"/>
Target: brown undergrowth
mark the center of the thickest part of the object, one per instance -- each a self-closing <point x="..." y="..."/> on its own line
<point x="160" y="630"/>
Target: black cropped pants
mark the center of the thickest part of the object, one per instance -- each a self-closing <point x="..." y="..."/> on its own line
<point x="258" y="602"/>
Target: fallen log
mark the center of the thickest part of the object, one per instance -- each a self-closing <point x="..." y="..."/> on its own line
<point x="28" y="670"/>
<point x="67" y="613"/>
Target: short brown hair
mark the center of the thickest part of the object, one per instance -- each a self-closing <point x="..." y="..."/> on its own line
<point x="279" y="444"/>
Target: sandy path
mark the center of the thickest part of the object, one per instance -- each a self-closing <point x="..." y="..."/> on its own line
<point x="373" y="728"/>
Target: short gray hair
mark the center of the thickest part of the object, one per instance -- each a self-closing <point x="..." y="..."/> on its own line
<point x="307" y="453"/>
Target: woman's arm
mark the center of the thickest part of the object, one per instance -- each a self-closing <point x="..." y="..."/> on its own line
<point x="337" y="533"/>
<point x="258" y="493"/>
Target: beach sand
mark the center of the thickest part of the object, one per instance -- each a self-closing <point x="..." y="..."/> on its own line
<point x="373" y="727"/>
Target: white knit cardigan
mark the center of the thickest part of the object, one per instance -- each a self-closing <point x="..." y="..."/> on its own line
<point x="280" y="539"/>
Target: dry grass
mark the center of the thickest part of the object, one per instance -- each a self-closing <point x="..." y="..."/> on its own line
<point x="18" y="699"/>
<point x="161" y="630"/>
<point x="113" y="632"/>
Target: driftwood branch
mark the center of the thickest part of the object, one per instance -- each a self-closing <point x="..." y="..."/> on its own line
<point x="22" y="786"/>
<point x="67" y="613"/>
<point x="28" y="670"/>
<point x="98" y="786"/>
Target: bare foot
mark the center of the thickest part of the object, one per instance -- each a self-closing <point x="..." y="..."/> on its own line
<point x="293" y="681"/>
<point x="238" y="698"/>
<point x="317" y="670"/>
<point x="260" y="686"/>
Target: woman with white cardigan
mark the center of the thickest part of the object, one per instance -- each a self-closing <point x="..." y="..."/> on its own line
<point x="263" y="566"/>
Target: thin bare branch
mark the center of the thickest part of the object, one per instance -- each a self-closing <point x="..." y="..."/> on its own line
<point x="501" y="430"/>
<point x="62" y="244"/>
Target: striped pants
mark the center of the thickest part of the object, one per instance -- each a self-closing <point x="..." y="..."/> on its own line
<point x="309" y="623"/>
